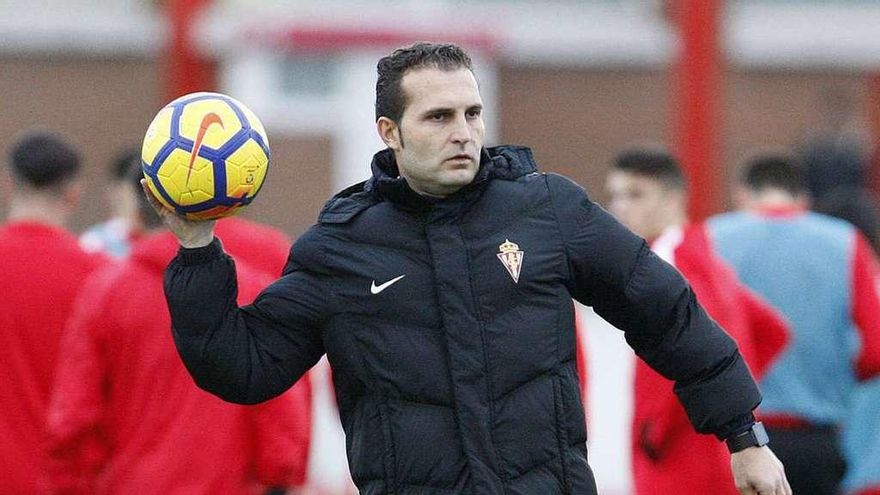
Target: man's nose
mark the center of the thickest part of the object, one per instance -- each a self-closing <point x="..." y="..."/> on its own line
<point x="461" y="132"/>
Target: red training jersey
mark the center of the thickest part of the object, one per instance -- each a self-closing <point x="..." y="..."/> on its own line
<point x="126" y="417"/>
<point x="260" y="246"/>
<point x="668" y="455"/>
<point x="43" y="267"/>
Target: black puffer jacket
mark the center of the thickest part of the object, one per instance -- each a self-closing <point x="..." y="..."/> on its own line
<point x="449" y="327"/>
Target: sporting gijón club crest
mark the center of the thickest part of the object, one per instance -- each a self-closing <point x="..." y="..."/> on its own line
<point x="512" y="258"/>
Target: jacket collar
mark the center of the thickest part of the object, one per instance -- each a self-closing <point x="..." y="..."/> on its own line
<point x="780" y="211"/>
<point x="36" y="228"/>
<point x="501" y="162"/>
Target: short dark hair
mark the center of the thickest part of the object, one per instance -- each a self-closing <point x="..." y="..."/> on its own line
<point x="657" y="164"/>
<point x="122" y="163"/>
<point x="43" y="159"/>
<point x="857" y="206"/>
<point x="774" y="171"/>
<point x="390" y="100"/>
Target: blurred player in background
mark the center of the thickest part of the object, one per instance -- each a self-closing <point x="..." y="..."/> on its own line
<point x="125" y="417"/>
<point x="114" y="236"/>
<point x="43" y="268"/>
<point x="648" y="194"/>
<point x="861" y="435"/>
<point x="820" y="273"/>
<point x="857" y="206"/>
<point x="262" y="247"/>
<point x="836" y="150"/>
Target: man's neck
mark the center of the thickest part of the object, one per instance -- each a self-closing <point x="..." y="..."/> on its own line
<point x="674" y="220"/>
<point x="665" y="244"/>
<point x="775" y="200"/>
<point x="37" y="211"/>
<point x="422" y="192"/>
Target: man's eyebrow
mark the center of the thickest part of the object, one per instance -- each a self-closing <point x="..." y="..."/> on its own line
<point x="438" y="110"/>
<point x="448" y="110"/>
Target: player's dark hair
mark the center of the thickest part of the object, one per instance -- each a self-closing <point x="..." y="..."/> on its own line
<point x="774" y="171"/>
<point x="43" y="159"/>
<point x="148" y="216"/>
<point x="856" y="206"/>
<point x="122" y="163"/>
<point x="656" y="164"/>
<point x="390" y="100"/>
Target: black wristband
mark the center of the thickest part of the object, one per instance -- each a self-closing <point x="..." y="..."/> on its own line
<point x="755" y="436"/>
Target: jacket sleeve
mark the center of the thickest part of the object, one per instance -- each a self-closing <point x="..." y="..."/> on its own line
<point x="76" y="442"/>
<point x="250" y="354"/>
<point x="613" y="270"/>
<point x="281" y="436"/>
<point x="865" y="308"/>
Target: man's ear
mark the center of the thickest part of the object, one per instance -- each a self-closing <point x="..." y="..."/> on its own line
<point x="742" y="198"/>
<point x="389" y="132"/>
<point x="679" y="201"/>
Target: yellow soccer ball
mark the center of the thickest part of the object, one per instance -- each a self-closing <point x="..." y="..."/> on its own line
<point x="205" y="156"/>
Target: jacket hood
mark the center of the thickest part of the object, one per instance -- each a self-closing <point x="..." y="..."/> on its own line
<point x="500" y="162"/>
<point x="386" y="184"/>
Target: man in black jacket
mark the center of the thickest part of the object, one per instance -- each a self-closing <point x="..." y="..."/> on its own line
<point x="441" y="290"/>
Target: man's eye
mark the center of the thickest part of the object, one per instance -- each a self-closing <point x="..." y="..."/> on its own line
<point x="473" y="113"/>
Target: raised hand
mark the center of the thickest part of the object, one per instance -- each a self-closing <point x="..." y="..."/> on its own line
<point x="190" y="233"/>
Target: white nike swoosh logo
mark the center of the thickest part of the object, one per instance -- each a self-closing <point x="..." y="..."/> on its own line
<point x="375" y="289"/>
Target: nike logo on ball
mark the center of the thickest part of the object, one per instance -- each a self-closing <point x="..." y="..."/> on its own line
<point x="207" y="120"/>
<point x="375" y="289"/>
